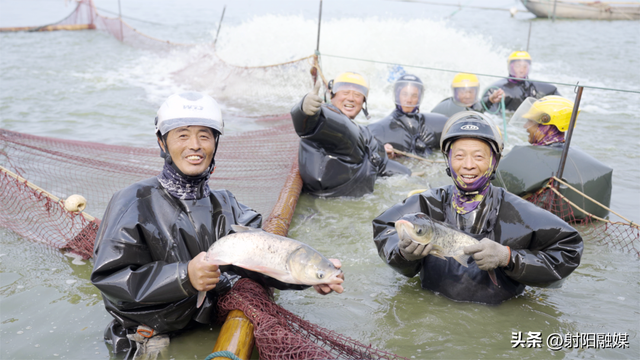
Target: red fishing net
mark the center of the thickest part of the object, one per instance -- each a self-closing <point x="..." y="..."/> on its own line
<point x="280" y="334"/>
<point x="622" y="235"/>
<point x="253" y="165"/>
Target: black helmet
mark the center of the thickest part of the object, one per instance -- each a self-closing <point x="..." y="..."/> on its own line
<point x="408" y="80"/>
<point x="471" y="124"/>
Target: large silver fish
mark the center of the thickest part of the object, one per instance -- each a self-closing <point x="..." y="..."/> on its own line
<point x="279" y="257"/>
<point x="447" y="241"/>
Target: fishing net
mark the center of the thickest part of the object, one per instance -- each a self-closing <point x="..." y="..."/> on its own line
<point x="621" y="235"/>
<point x="253" y="165"/>
<point x="280" y="334"/>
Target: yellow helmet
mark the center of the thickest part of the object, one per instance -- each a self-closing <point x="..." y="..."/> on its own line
<point x="465" y="89"/>
<point x="464" y="80"/>
<point x="519" y="55"/>
<point x="350" y="81"/>
<point x="550" y="110"/>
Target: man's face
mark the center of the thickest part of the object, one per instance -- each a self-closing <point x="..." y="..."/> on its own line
<point x="532" y="129"/>
<point x="470" y="158"/>
<point x="349" y="102"/>
<point x="466" y="96"/>
<point x="520" y="68"/>
<point x="191" y="148"/>
<point x="409" y="97"/>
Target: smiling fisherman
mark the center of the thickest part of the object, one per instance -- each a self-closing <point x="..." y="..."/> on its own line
<point x="150" y="249"/>
<point x="338" y="157"/>
<point x="466" y="90"/>
<point x="522" y="243"/>
<point x="516" y="90"/>
<point x="407" y="129"/>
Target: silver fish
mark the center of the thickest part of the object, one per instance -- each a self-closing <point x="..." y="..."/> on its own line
<point x="279" y="257"/>
<point x="447" y="240"/>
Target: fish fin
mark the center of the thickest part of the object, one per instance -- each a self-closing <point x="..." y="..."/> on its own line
<point x="437" y="253"/>
<point x="242" y="228"/>
<point x="201" y="296"/>
<point x="462" y="259"/>
<point x="492" y="275"/>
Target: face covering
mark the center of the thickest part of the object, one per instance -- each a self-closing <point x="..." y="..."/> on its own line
<point x="467" y="197"/>
<point x="184" y="187"/>
<point x="548" y="134"/>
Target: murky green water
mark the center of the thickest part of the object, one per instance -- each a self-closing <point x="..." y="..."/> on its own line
<point x="88" y="86"/>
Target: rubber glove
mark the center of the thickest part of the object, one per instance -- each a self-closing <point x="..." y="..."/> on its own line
<point x="489" y="254"/>
<point x="413" y="251"/>
<point x="311" y="103"/>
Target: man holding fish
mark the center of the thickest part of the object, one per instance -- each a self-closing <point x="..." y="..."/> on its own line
<point x="438" y="232"/>
<point x="154" y="251"/>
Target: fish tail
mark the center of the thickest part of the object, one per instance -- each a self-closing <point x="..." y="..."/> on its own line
<point x="492" y="275"/>
<point x="201" y="296"/>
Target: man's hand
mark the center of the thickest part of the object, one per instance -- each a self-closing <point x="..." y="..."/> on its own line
<point x="413" y="251"/>
<point x="388" y="148"/>
<point x="496" y="96"/>
<point x="203" y="275"/>
<point x="311" y="103"/>
<point x="324" y="289"/>
<point x="489" y="254"/>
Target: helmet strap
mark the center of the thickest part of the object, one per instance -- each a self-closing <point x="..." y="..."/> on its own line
<point x="365" y="111"/>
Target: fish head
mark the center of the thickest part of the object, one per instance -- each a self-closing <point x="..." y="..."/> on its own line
<point x="309" y="267"/>
<point x="417" y="227"/>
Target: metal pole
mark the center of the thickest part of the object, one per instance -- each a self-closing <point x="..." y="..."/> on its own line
<point x="219" y="25"/>
<point x="120" y="17"/>
<point x="319" y="22"/>
<point x="555" y="2"/>
<point x="572" y="123"/>
<point x="529" y="36"/>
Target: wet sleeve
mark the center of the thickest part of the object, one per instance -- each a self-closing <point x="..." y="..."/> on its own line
<point x="386" y="238"/>
<point x="124" y="270"/>
<point x="553" y="252"/>
<point x="303" y="123"/>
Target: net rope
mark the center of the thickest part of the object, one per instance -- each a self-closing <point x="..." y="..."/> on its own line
<point x="621" y="235"/>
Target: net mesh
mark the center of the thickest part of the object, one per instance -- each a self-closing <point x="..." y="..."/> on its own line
<point x="624" y="236"/>
<point x="254" y="166"/>
<point x="280" y="334"/>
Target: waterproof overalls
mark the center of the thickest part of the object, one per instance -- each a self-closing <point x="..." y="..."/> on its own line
<point x="415" y="133"/>
<point x="448" y="107"/>
<point x="143" y="246"/>
<point x="516" y="92"/>
<point x="544" y="249"/>
<point x="338" y="157"/>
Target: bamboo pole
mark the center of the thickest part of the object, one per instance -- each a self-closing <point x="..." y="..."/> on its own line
<point x="42" y="191"/>
<point x="236" y="336"/>
<point x="49" y="28"/>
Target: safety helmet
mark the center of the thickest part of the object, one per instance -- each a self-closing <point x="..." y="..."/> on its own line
<point x="471" y="124"/>
<point x="464" y="83"/>
<point x="411" y="98"/>
<point x="350" y="81"/>
<point x="189" y="108"/>
<point x="515" y="59"/>
<point x="550" y="110"/>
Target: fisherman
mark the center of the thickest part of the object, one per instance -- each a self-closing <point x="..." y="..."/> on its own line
<point x="150" y="248"/>
<point x="517" y="88"/>
<point x="466" y="89"/>
<point x="337" y="156"/>
<point x="406" y="129"/>
<point x="546" y="121"/>
<point x="521" y="243"/>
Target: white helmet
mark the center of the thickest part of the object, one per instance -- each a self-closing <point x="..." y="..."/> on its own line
<point x="189" y="108"/>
